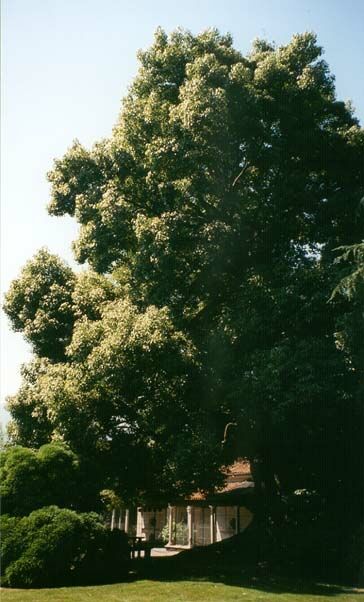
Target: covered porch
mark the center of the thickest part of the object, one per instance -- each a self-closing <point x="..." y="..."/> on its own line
<point x="192" y="525"/>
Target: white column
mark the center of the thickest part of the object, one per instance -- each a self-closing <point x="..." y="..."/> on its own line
<point x="155" y="523"/>
<point x="212" y="524"/>
<point x="139" y="530"/>
<point x="126" y="522"/>
<point x="119" y="521"/>
<point x="170" y="525"/>
<point x="189" y="526"/>
<point x="112" y="520"/>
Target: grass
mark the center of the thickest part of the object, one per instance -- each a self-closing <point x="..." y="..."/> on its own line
<point x="177" y="591"/>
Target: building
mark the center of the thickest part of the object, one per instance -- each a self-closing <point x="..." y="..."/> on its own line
<point x="199" y="520"/>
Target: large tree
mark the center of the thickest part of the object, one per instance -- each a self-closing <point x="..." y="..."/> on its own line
<point x="208" y="222"/>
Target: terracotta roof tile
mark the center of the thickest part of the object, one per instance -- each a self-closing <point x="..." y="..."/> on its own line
<point x="240" y="468"/>
<point x="238" y="476"/>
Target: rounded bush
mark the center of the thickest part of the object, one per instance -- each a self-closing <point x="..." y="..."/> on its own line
<point x="32" y="479"/>
<point x="55" y="547"/>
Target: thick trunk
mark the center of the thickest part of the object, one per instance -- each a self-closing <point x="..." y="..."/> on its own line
<point x="265" y="479"/>
<point x="267" y="487"/>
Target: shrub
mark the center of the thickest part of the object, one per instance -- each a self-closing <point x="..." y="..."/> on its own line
<point x="21" y="482"/>
<point x="55" y="547"/>
<point x="180" y="533"/>
<point x="32" y="479"/>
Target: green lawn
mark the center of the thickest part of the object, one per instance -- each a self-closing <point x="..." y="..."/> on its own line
<point x="177" y="591"/>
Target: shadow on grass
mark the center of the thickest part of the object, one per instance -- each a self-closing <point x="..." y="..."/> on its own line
<point x="163" y="569"/>
<point x="233" y="563"/>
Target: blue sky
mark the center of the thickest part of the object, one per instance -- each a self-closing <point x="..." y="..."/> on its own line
<point x="66" y="65"/>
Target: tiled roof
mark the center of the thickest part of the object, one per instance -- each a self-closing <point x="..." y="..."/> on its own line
<point x="238" y="476"/>
<point x="240" y="469"/>
<point x="239" y="485"/>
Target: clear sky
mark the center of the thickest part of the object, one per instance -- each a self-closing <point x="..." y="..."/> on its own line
<point x="66" y="64"/>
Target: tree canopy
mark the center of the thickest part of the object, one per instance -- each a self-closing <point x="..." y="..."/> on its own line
<point x="208" y="223"/>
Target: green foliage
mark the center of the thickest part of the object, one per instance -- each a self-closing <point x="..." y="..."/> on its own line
<point x="127" y="390"/>
<point x="32" y="479"/>
<point x="353" y="283"/>
<point x="110" y="499"/>
<point x="39" y="304"/>
<point x="165" y="534"/>
<point x="209" y="219"/>
<point x="222" y="146"/>
<point x="350" y="326"/>
<point x="91" y="292"/>
<point x="179" y="534"/>
<point x="30" y="425"/>
<point x="54" y="547"/>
